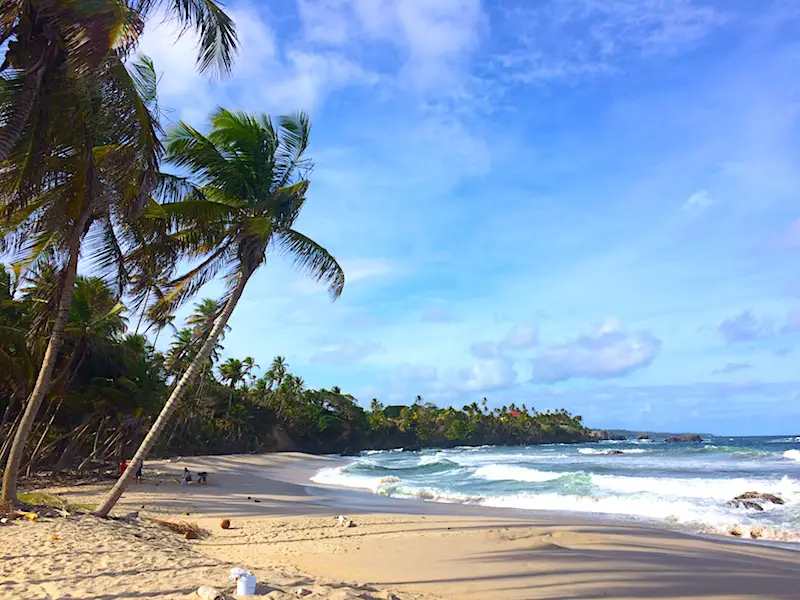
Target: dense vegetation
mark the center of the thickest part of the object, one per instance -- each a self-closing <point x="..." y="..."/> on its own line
<point x="110" y="384"/>
<point x="84" y="189"/>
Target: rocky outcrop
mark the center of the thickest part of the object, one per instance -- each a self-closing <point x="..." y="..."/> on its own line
<point x="760" y="496"/>
<point x="753" y="500"/>
<point x="684" y="439"/>
<point x="747" y="504"/>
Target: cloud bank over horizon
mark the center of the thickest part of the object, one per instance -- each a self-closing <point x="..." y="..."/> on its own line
<point x="588" y="204"/>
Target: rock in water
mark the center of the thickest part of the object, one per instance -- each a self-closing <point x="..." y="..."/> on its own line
<point x="748" y="504"/>
<point x="684" y="438"/>
<point x="735" y="531"/>
<point x="760" y="496"/>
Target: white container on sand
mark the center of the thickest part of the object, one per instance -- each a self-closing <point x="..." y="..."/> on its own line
<point x="246" y="585"/>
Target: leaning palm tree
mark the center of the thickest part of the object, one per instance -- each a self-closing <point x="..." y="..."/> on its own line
<point x="248" y="185"/>
<point x="77" y="187"/>
<point x="44" y="35"/>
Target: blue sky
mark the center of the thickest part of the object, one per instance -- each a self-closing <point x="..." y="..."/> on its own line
<point x="589" y="204"/>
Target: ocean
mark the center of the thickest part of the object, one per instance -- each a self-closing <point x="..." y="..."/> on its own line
<point x="682" y="486"/>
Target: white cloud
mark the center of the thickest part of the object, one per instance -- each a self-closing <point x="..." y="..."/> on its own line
<point x="485" y="375"/>
<point x="745" y="327"/>
<point x="434" y="38"/>
<point x="732" y="368"/>
<point x="364" y="269"/>
<point x="522" y="336"/>
<point x="264" y="77"/>
<point x="344" y="352"/>
<point x="606" y="353"/>
<point x="571" y="38"/>
<point x="698" y="201"/>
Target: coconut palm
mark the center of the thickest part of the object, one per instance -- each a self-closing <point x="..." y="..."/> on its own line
<point x="248" y="365"/>
<point x="248" y="187"/>
<point x="45" y="36"/>
<point x="79" y="184"/>
<point x="232" y="371"/>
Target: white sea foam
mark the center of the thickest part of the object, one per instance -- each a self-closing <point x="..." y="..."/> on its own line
<point x="712" y="518"/>
<point x="792" y="454"/>
<point x="339" y="476"/>
<point x="696" y="487"/>
<point x="513" y="473"/>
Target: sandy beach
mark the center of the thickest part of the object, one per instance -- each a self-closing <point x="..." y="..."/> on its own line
<point x="285" y="530"/>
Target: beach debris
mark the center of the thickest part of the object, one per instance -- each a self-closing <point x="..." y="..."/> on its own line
<point x="748" y="504"/>
<point x="131" y="516"/>
<point x="225" y="524"/>
<point x="301" y="591"/>
<point x="209" y="593"/>
<point x="756" y="532"/>
<point x="54" y="538"/>
<point x="182" y="527"/>
<point x="246" y="585"/>
<point x="187" y="513"/>
<point x="760" y="496"/>
<point x="735" y="531"/>
<point x="31" y="516"/>
<point x="257" y="500"/>
<point x="345" y="522"/>
<point x="3" y="520"/>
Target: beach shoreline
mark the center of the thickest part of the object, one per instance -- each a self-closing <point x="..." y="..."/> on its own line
<point x="281" y="519"/>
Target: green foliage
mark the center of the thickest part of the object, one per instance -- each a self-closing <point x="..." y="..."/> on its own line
<point x="109" y="386"/>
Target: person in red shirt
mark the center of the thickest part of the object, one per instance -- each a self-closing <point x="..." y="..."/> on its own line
<point x="122" y="466"/>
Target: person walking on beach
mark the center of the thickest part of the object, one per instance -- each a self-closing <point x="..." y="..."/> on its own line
<point x="187" y="477"/>
<point x="122" y="466"/>
<point x="139" y="473"/>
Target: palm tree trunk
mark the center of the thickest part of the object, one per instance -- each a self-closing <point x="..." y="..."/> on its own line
<point x="32" y="461"/>
<point x="20" y="113"/>
<point x="172" y="403"/>
<point x="9" y="492"/>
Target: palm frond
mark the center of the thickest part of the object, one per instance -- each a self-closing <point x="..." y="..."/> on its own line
<point x="218" y="43"/>
<point x="311" y="258"/>
<point x="294" y="132"/>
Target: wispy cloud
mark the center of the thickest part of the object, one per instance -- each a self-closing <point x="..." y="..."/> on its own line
<point x="559" y="39"/>
<point x="344" y="352"/>
<point x="745" y="327"/>
<point x="698" y="201"/>
<point x="608" y="352"/>
<point x="732" y="368"/>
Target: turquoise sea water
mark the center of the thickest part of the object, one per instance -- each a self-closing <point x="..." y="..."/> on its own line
<point x="683" y="486"/>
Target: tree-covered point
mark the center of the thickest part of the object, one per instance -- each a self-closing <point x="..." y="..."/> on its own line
<point x="110" y="384"/>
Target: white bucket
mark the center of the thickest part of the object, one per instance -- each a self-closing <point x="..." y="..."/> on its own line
<point x="246" y="585"/>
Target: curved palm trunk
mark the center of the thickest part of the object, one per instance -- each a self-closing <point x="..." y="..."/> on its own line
<point x="172" y="403"/>
<point x="9" y="493"/>
<point x="22" y="111"/>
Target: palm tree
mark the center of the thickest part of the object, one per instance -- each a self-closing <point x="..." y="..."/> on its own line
<point x="276" y="372"/>
<point x="45" y="36"/>
<point x="249" y="187"/>
<point x="82" y="182"/>
<point x="231" y="371"/>
<point x="248" y="364"/>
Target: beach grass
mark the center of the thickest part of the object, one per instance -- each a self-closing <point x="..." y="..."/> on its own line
<point x="53" y="501"/>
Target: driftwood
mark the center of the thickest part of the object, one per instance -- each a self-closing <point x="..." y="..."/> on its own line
<point x="190" y="531"/>
<point x="208" y="593"/>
